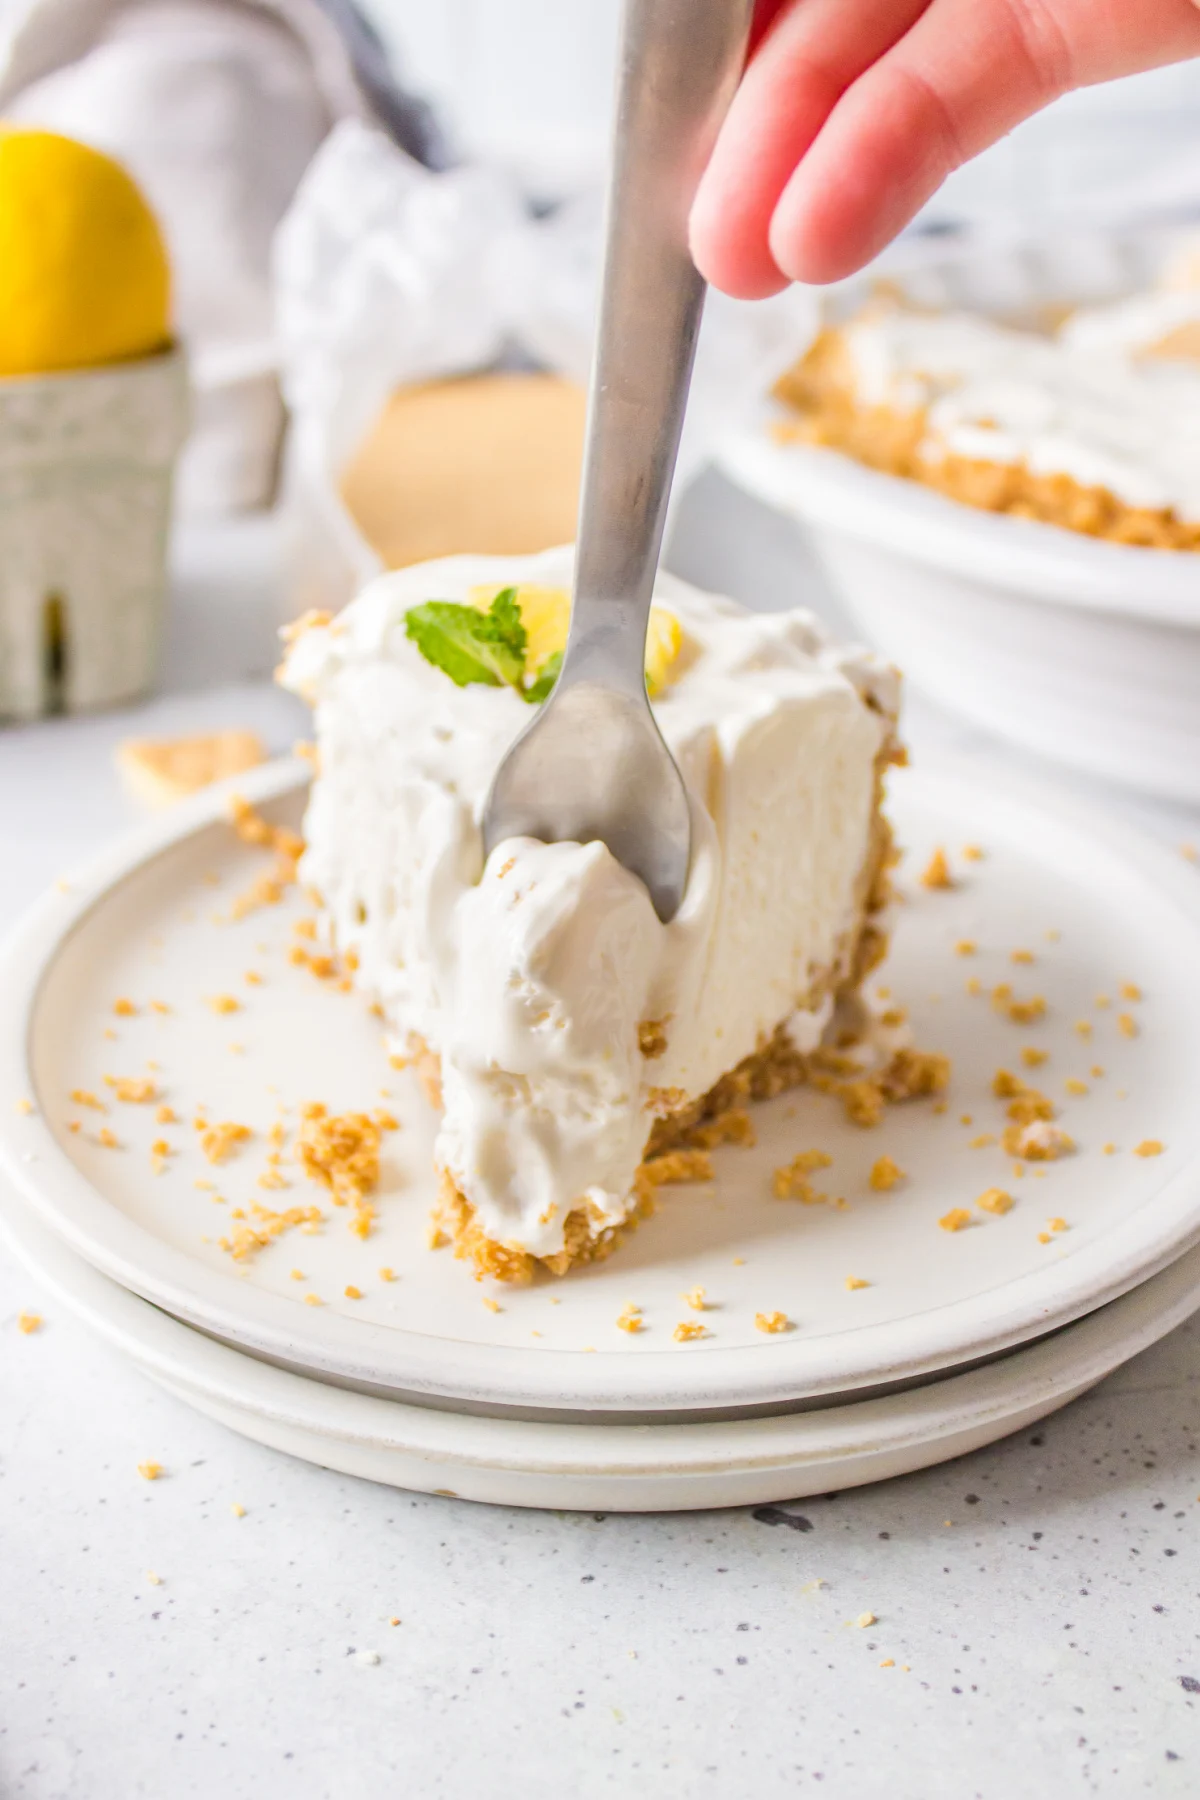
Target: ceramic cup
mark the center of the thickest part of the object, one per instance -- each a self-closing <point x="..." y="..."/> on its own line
<point x="86" y="464"/>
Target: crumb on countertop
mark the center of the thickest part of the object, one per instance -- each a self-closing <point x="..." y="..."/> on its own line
<point x="772" y="1323"/>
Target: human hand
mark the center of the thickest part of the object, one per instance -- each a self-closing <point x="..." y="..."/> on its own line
<point x="851" y="113"/>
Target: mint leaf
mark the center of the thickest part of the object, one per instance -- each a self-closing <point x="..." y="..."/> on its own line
<point x="469" y="645"/>
<point x="542" y="685"/>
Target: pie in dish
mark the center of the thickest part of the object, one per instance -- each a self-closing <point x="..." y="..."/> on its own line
<point x="582" y="1052"/>
<point x="1095" y="427"/>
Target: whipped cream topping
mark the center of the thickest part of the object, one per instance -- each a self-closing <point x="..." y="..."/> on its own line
<point x="531" y="975"/>
<point x="1091" y="403"/>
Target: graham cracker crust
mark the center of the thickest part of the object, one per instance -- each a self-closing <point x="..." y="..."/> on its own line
<point x="820" y="389"/>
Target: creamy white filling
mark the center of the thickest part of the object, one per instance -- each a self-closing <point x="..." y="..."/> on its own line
<point x="1086" y="404"/>
<point x="531" y="976"/>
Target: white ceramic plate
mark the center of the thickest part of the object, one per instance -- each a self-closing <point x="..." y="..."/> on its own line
<point x="143" y="924"/>
<point x="624" y="1468"/>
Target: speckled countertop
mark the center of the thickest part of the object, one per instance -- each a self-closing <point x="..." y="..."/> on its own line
<point x="1036" y="1605"/>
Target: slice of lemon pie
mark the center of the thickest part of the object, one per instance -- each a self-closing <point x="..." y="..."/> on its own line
<point x="581" y="1051"/>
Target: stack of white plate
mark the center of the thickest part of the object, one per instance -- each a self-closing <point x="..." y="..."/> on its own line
<point x="907" y="1342"/>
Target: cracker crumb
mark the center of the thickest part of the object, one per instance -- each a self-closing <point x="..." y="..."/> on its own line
<point x="889" y="1662"/>
<point x="313" y="1300"/>
<point x="1058" y="1225"/>
<point x="435" y="1238"/>
<point x="995" y="1200"/>
<point x="238" y="1510"/>
<point x="675" y="1166"/>
<point x="342" y="1151"/>
<point x="974" y="986"/>
<point x="1131" y="991"/>
<point x="936" y="873"/>
<point x="159" y="1006"/>
<point x="246" y="1239"/>
<point x="1103" y="1001"/>
<point x="165" y="1115"/>
<point x="25" y="1107"/>
<point x="1022" y="956"/>
<point x="135" y="1090"/>
<point x="695" y="1298"/>
<point x="687" y="1329"/>
<point x="984" y="1141"/>
<point x="772" y="1323"/>
<point x="387" y="1274"/>
<point x="1044" y="1237"/>
<point x="1127" y="1025"/>
<point x="1021" y="1012"/>
<point x="865" y="1619"/>
<point x="351" y="1292"/>
<point x="973" y="853"/>
<point x="652" y="1037"/>
<point x="153" y="1579"/>
<point x="150" y="1471"/>
<point x="630" y="1319"/>
<point x="493" y="1306"/>
<point x="885" y="1175"/>
<point x="1148" y="1147"/>
<point x="853" y="1282"/>
<point x="1033" y="1057"/>
<point x="1083" y="1027"/>
<point x="108" y="1139"/>
<point x="28" y="1322"/>
<point x="225" y="1003"/>
<point x="1110" y="1149"/>
<point x="739" y="1262"/>
<point x="957" y="1219"/>
<point x="216" y="1141"/>
<point x="83" y="1097"/>
<point x="252" y="978"/>
<point x="966" y="947"/>
<point x="1096" y="1072"/>
<point x="1074" y="1086"/>
<point x="297" y="1275"/>
<point x="791" y="1181"/>
<point x="1038" y="1141"/>
<point x="124" y="1009"/>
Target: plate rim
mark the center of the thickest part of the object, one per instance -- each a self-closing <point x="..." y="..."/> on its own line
<point x="351" y="1350"/>
<point x="1047" y="1373"/>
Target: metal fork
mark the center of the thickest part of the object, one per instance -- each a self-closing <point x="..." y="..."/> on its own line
<point x="593" y="764"/>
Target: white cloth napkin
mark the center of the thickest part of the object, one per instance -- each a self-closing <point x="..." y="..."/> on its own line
<point x="216" y="107"/>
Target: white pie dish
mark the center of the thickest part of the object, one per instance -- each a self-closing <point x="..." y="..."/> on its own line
<point x="1082" y="651"/>
<point x="138" y="923"/>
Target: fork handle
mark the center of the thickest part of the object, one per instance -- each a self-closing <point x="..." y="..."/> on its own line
<point x="680" y="61"/>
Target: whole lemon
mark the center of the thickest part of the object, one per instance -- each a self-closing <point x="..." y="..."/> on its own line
<point x="84" y="277"/>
